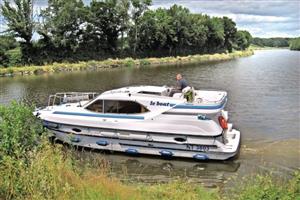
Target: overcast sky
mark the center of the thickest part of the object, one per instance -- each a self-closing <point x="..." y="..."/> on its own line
<point x="262" y="18"/>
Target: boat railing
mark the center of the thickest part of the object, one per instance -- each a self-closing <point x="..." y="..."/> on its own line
<point x="70" y="97"/>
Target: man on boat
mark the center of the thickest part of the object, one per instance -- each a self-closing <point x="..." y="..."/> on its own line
<point x="181" y="83"/>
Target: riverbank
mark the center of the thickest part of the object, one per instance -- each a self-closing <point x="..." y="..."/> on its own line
<point x="32" y="168"/>
<point x="127" y="62"/>
<point x="255" y="48"/>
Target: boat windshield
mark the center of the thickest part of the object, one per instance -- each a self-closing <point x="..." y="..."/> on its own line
<point x="117" y="107"/>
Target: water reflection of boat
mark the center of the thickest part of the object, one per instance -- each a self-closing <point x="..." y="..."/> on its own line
<point x="152" y="170"/>
<point x="145" y="120"/>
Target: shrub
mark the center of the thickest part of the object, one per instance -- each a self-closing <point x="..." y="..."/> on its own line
<point x="268" y="187"/>
<point x="19" y="130"/>
<point x="129" y="62"/>
<point x="144" y="62"/>
<point x="295" y="44"/>
<point x="4" y="59"/>
<point x="15" y="57"/>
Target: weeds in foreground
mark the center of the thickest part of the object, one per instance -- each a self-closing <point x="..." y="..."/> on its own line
<point x="268" y="187"/>
<point x="32" y="168"/>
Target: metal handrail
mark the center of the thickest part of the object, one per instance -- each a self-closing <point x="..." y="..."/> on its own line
<point x="70" y="97"/>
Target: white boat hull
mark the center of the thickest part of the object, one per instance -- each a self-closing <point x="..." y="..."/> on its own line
<point x="205" y="149"/>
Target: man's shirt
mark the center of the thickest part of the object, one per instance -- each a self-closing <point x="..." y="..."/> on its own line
<point x="181" y="84"/>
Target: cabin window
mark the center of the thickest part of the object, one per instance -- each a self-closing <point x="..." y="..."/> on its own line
<point x="127" y="107"/>
<point x="96" y="106"/>
<point x="111" y="106"/>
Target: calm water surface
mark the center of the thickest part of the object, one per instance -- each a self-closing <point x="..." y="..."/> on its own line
<point x="264" y="104"/>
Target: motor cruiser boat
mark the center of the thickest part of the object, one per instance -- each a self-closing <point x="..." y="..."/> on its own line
<point x="145" y="120"/>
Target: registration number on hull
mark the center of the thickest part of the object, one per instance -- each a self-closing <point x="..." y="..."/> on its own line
<point x="202" y="148"/>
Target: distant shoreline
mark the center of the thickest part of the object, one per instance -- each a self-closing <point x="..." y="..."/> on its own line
<point x="254" y="48"/>
<point x="127" y="62"/>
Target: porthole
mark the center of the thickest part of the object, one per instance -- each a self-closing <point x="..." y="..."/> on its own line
<point x="180" y="139"/>
<point x="77" y="130"/>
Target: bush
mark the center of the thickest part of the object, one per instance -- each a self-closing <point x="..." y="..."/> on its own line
<point x="19" y="131"/>
<point x="129" y="62"/>
<point x="8" y="42"/>
<point x="4" y="59"/>
<point x="295" y="44"/>
<point x="15" y="57"/>
<point x="269" y="188"/>
<point x="144" y="62"/>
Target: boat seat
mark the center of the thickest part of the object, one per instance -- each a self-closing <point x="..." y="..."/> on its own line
<point x="177" y="95"/>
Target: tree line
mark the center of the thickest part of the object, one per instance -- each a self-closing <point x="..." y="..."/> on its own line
<point x="271" y="42"/>
<point x="69" y="30"/>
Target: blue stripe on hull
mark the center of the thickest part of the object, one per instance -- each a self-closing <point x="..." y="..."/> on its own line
<point x="117" y="116"/>
<point x="191" y="106"/>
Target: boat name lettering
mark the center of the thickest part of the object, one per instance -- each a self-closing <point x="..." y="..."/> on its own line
<point x="157" y="103"/>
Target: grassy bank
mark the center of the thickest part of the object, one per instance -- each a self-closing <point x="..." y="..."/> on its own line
<point x="128" y="62"/>
<point x="256" y="47"/>
<point x="31" y="168"/>
<point x="295" y="44"/>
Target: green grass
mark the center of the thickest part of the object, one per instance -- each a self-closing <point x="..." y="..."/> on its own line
<point x="256" y="47"/>
<point x="32" y="168"/>
<point x="295" y="44"/>
<point x="127" y="62"/>
<point x="268" y="187"/>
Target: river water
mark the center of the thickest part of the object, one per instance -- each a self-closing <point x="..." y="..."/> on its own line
<point x="264" y="104"/>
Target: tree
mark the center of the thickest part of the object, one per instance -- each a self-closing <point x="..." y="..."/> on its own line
<point x="229" y="33"/>
<point x="71" y="30"/>
<point x="19" y="18"/>
<point x="7" y="42"/>
<point x="63" y="27"/>
<point x="271" y="42"/>
<point x="295" y="44"/>
<point x="180" y="24"/>
<point x="241" y="41"/>
<point x="215" y="36"/>
<point x="123" y="9"/>
<point x="107" y="24"/>
<point x="138" y="8"/>
<point x="198" y="33"/>
<point x="4" y="59"/>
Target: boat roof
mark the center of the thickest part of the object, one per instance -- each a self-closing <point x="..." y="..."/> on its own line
<point x="138" y="89"/>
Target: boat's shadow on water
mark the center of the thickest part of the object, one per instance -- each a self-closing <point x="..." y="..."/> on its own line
<point x="155" y="169"/>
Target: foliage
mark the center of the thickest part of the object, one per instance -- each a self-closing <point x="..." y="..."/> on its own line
<point x="178" y="190"/>
<point x="267" y="187"/>
<point x="19" y="130"/>
<point x="4" y="59"/>
<point x="40" y="170"/>
<point x="229" y="33"/>
<point x="15" y="57"/>
<point x="7" y="43"/>
<point x="138" y="7"/>
<point x="243" y="40"/>
<point x="128" y="62"/>
<point x="271" y="42"/>
<point x="70" y="31"/>
<point x="20" y="22"/>
<point x="62" y="29"/>
<point x="295" y="44"/>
